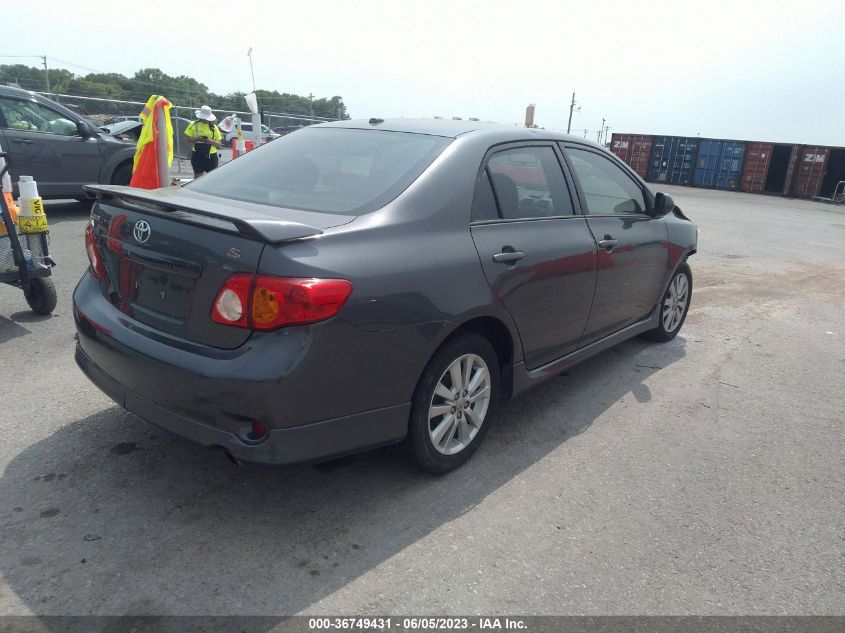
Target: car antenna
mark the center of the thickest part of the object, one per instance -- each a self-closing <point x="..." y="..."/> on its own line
<point x="375" y="121"/>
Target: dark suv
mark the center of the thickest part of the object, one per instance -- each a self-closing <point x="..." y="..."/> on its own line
<point x="361" y="283"/>
<point x="60" y="149"/>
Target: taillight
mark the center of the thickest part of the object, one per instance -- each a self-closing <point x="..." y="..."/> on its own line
<point x="97" y="266"/>
<point x="231" y="307"/>
<point x="268" y="303"/>
<point x="280" y="301"/>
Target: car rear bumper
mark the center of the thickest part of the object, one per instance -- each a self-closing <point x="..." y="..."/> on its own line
<point x="211" y="396"/>
<point x="306" y="443"/>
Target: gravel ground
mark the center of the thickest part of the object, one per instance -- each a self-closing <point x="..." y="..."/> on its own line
<point x="701" y="476"/>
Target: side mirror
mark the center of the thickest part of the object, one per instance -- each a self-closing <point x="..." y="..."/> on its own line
<point x="84" y="130"/>
<point x="663" y="205"/>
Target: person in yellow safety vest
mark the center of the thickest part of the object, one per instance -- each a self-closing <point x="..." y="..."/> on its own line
<point x="206" y="138"/>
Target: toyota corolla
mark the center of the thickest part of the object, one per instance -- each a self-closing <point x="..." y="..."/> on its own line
<point x="363" y="283"/>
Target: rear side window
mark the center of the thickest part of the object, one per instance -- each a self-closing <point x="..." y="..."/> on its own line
<point x="606" y="187"/>
<point x="330" y="170"/>
<point x="529" y="183"/>
<point x="484" y="202"/>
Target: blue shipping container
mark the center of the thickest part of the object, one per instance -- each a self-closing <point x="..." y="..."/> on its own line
<point x="658" y="164"/>
<point x="672" y="159"/>
<point x="707" y="163"/>
<point x="719" y="164"/>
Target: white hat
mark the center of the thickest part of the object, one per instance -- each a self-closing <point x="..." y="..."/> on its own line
<point x="205" y="114"/>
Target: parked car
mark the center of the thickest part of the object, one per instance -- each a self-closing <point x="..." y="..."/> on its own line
<point x="287" y="129"/>
<point x="362" y="283"/>
<point x="124" y="130"/>
<point x="267" y="134"/>
<point x="59" y="148"/>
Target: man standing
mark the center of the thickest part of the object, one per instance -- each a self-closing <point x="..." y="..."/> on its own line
<point x="205" y="136"/>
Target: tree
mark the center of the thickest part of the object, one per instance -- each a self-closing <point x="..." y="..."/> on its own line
<point x="182" y="90"/>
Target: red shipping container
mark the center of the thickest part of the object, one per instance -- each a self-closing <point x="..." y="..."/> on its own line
<point x="633" y="149"/>
<point x="809" y="170"/>
<point x="769" y="168"/>
<point x="757" y="158"/>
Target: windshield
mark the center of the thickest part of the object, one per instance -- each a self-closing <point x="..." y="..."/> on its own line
<point x="331" y="170"/>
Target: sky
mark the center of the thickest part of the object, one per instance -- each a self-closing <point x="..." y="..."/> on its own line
<point x="756" y="70"/>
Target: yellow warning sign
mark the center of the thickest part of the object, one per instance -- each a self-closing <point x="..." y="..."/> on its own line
<point x="32" y="223"/>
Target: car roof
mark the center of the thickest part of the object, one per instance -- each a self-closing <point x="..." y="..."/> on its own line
<point x="11" y="91"/>
<point x="454" y="128"/>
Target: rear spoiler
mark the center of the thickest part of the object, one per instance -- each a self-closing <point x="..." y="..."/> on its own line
<point x="250" y="223"/>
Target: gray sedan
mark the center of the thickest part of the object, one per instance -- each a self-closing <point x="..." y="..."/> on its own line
<point x="363" y="283"/>
<point x="61" y="150"/>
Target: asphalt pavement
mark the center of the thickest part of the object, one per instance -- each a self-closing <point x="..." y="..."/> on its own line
<point x="700" y="476"/>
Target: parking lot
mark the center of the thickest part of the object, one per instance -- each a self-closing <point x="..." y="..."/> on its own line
<point x="701" y="476"/>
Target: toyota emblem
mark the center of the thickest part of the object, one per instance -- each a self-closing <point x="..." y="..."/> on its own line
<point x="142" y="231"/>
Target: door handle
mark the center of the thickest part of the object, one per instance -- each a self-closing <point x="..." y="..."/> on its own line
<point x="508" y="257"/>
<point x="24" y="141"/>
<point x="608" y="243"/>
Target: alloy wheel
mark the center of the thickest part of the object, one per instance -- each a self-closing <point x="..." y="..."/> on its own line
<point x="459" y="404"/>
<point x="675" y="302"/>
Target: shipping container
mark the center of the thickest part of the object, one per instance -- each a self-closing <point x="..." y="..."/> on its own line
<point x="730" y="169"/>
<point x="719" y="164"/>
<point x="633" y="149"/>
<point x="757" y="159"/>
<point x="835" y="173"/>
<point x="672" y="159"/>
<point x="780" y="169"/>
<point x="707" y="163"/>
<point x="805" y="171"/>
<point x="809" y="171"/>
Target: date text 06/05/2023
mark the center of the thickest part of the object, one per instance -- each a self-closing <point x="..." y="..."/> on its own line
<point x="416" y="623"/>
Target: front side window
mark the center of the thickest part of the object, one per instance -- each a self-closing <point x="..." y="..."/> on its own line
<point x="329" y="170"/>
<point x="28" y="116"/>
<point x="607" y="189"/>
<point x="529" y="183"/>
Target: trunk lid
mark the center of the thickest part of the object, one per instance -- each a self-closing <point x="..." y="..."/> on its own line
<point x="168" y="252"/>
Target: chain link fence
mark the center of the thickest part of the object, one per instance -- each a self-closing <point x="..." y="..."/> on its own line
<point x="112" y="113"/>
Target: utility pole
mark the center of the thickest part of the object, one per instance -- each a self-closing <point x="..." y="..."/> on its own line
<point x="601" y="131"/>
<point x="571" y="109"/>
<point x="311" y="99"/>
<point x="46" y="71"/>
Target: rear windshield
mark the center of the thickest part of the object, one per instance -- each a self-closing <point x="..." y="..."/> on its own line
<point x="332" y="170"/>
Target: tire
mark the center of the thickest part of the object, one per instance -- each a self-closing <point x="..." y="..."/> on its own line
<point x="122" y="175"/>
<point x="41" y="295"/>
<point x="670" y="324"/>
<point x="457" y="435"/>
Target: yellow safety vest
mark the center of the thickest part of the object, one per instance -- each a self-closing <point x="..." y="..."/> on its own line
<point x="202" y="129"/>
